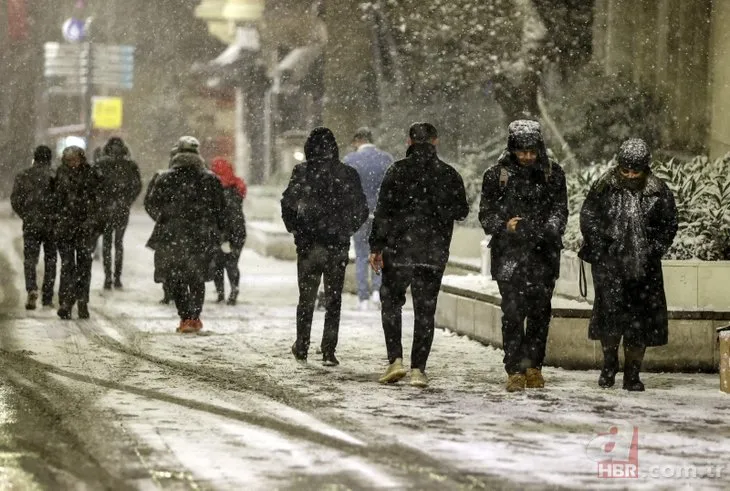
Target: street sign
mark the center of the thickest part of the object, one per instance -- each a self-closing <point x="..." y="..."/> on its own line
<point x="112" y="66"/>
<point x="74" y="30"/>
<point x="107" y="113"/>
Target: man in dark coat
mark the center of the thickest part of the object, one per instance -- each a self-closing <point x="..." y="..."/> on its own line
<point x="323" y="205"/>
<point x="32" y="200"/>
<point x="628" y="221"/>
<point x="524" y="209"/>
<point x="190" y="209"/>
<point x="80" y="221"/>
<point x="234" y="190"/>
<point x="420" y="198"/>
<point x="122" y="185"/>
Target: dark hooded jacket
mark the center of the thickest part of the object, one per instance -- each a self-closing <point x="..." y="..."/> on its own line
<point x="78" y="203"/>
<point x="234" y="190"/>
<point x="324" y="202"/>
<point x="191" y="220"/>
<point x="537" y="194"/>
<point x="625" y="234"/>
<point x="420" y="198"/>
<point x="122" y="181"/>
<point x="32" y="197"/>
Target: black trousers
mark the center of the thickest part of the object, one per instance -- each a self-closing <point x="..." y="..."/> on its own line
<point x="312" y="264"/>
<point x="425" y="283"/>
<point x="33" y="239"/>
<point x="189" y="298"/>
<point x="227" y="263"/>
<point x="525" y="347"/>
<point x="114" y="234"/>
<point x="76" y="258"/>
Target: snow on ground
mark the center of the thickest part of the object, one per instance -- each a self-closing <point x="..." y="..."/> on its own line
<point x="230" y="408"/>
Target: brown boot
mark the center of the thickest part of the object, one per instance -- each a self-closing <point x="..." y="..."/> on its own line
<point x="534" y="379"/>
<point x="516" y="382"/>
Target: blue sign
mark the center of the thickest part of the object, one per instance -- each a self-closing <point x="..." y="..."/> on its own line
<point x="74" y="30"/>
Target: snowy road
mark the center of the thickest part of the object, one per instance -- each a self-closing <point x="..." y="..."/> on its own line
<point x="122" y="402"/>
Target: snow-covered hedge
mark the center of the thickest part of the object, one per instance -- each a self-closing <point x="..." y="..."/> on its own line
<point x="701" y="188"/>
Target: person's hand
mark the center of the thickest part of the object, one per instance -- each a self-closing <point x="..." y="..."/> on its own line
<point x="512" y="224"/>
<point x="376" y="261"/>
<point x="226" y="247"/>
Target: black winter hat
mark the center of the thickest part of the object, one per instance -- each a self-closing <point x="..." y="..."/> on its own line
<point x="634" y="154"/>
<point x="321" y="144"/>
<point x="115" y="146"/>
<point x="42" y="155"/>
<point x="524" y="134"/>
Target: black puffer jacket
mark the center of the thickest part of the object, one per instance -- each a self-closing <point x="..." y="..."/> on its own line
<point x="538" y="195"/>
<point x="324" y="202"/>
<point x="420" y="198"/>
<point x="191" y="218"/>
<point x="79" y="203"/>
<point x="32" y="197"/>
<point x="122" y="183"/>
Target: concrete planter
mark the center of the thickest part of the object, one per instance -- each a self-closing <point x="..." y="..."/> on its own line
<point x="689" y="285"/>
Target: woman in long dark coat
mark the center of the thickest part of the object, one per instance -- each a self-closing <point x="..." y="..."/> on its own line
<point x="191" y="220"/>
<point x="628" y="221"/>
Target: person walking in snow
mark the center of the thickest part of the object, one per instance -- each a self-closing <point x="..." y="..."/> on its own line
<point x="189" y="209"/>
<point x="524" y="209"/>
<point x="122" y="185"/>
<point x="78" y="195"/>
<point x="420" y="198"/>
<point x="323" y="205"/>
<point x="234" y="189"/>
<point x="371" y="165"/>
<point x="32" y="200"/>
<point x="628" y="222"/>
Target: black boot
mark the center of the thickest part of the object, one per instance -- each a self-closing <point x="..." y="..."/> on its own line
<point x="610" y="364"/>
<point x="64" y="311"/>
<point x="108" y="283"/>
<point x="633" y="356"/>
<point x="118" y="283"/>
<point x="83" y="310"/>
<point x="221" y="297"/>
<point x="232" y="298"/>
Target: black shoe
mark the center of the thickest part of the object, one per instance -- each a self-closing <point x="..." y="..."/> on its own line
<point x="118" y="284"/>
<point x="232" y="298"/>
<point x="64" y="312"/>
<point x="329" y="360"/>
<point x="221" y="297"/>
<point x="607" y="378"/>
<point x="165" y="300"/>
<point x="32" y="299"/>
<point x="47" y="301"/>
<point x="107" y="284"/>
<point x="297" y="355"/>
<point x="83" y="310"/>
<point x="634" y="385"/>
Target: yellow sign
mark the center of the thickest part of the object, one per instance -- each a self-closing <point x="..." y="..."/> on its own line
<point x="107" y="113"/>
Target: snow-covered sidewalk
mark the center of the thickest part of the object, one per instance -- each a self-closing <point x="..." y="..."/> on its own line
<point x="230" y="408"/>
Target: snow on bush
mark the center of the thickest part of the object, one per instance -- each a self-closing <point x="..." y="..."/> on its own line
<point x="701" y="188"/>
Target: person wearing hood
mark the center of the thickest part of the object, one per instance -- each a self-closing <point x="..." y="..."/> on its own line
<point x="80" y="220"/>
<point x="188" y="206"/>
<point x="122" y="185"/>
<point x="524" y="209"/>
<point x="323" y="205"/>
<point x="234" y="189"/>
<point x="628" y="222"/>
<point x="32" y="200"/>
<point x="420" y="199"/>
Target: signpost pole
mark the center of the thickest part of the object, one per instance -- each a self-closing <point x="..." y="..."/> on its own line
<point x="88" y="93"/>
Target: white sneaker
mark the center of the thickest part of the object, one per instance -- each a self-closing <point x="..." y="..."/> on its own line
<point x="418" y="378"/>
<point x="375" y="298"/>
<point x="363" y="305"/>
<point x="394" y="372"/>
